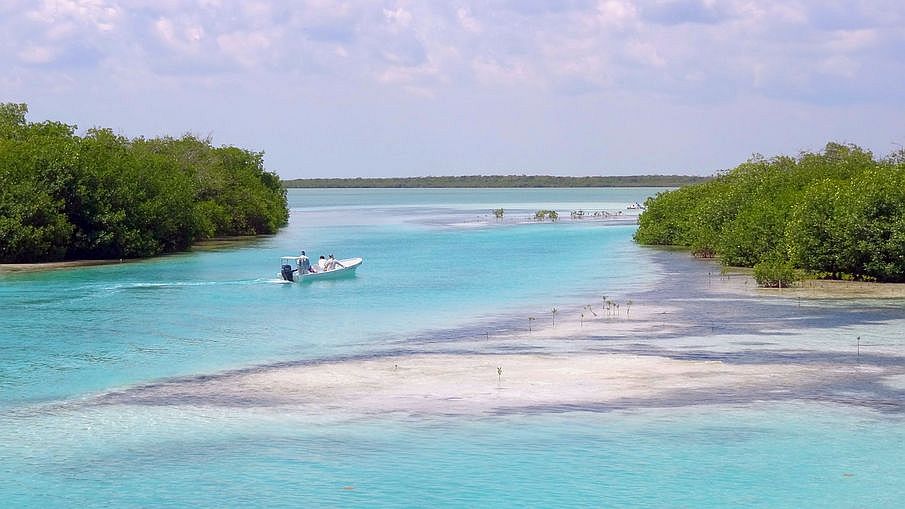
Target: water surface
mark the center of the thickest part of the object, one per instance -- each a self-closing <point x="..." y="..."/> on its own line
<point x="438" y="271"/>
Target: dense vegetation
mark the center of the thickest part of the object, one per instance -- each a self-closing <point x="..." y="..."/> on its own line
<point x="502" y="181"/>
<point x="101" y="195"/>
<point x="839" y="213"/>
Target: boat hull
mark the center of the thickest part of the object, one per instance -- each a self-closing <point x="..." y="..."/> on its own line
<point x="348" y="270"/>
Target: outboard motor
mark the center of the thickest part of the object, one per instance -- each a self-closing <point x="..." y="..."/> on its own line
<point x="286" y="272"/>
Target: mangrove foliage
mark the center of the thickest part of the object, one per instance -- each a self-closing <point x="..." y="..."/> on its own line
<point x="838" y="213"/>
<point x="101" y="195"/>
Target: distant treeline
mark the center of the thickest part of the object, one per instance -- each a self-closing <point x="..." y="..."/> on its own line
<point x="839" y="213"/>
<point x="500" y="181"/>
<point x="101" y="195"/>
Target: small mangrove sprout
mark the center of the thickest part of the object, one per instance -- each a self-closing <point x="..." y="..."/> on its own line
<point x="498" y="213"/>
<point x="628" y="308"/>
<point x="530" y="319"/>
<point x="499" y="373"/>
<point x="540" y="215"/>
<point x="554" y="316"/>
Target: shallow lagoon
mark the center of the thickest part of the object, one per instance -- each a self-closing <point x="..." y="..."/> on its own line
<point x="439" y="272"/>
<point x="67" y="332"/>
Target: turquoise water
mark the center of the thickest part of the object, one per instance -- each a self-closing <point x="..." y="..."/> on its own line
<point x="437" y="269"/>
<point x="777" y="456"/>
<point x="69" y="332"/>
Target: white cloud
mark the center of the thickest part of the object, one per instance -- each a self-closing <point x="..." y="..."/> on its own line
<point x="258" y="13"/>
<point x="852" y="40"/>
<point x="645" y="53"/>
<point x="99" y="14"/>
<point x="493" y="73"/>
<point x="398" y="18"/>
<point x="616" y="13"/>
<point x="690" y="53"/>
<point x="61" y="30"/>
<point x="179" y="36"/>
<point x="597" y="43"/>
<point x="839" y="65"/>
<point x="37" y="54"/>
<point x="468" y="22"/>
<point x="245" y="47"/>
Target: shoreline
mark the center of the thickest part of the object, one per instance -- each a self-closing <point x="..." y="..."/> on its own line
<point x="68" y="264"/>
<point x="808" y="288"/>
<point x="204" y="245"/>
<point x="831" y="289"/>
<point x="818" y="288"/>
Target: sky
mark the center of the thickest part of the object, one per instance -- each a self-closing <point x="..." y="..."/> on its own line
<point x="404" y="88"/>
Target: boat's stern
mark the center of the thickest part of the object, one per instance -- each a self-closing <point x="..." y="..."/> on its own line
<point x="286" y="270"/>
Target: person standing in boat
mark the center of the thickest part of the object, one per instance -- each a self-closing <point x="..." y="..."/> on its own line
<point x="304" y="264"/>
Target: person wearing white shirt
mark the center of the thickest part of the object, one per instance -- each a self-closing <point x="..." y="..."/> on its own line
<point x="333" y="263"/>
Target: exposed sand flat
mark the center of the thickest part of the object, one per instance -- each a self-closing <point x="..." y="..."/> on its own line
<point x="574" y="365"/>
<point x="550" y="369"/>
<point x="634" y="320"/>
<point x="741" y="278"/>
<point x="471" y="384"/>
<point x="578" y="364"/>
<point x="825" y="289"/>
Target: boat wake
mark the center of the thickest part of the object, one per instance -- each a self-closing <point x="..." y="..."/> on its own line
<point x="147" y="286"/>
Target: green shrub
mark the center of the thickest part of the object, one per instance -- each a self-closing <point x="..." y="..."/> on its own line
<point x="839" y="212"/>
<point x="775" y="273"/>
<point x="540" y="215"/>
<point x="102" y="195"/>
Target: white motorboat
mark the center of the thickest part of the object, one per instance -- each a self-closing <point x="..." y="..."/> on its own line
<point x="289" y="270"/>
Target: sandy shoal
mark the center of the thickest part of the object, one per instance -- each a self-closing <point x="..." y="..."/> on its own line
<point x="548" y="369"/>
<point x="472" y="384"/>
